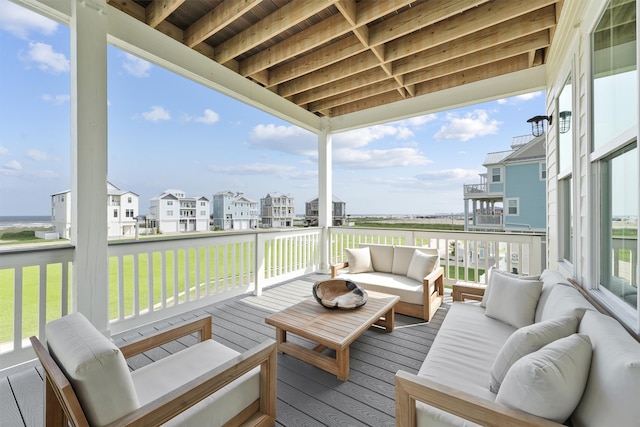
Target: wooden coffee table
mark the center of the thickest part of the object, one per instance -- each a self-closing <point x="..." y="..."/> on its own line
<point x="330" y="328"/>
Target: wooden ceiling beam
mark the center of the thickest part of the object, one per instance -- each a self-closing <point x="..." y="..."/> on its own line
<point x="355" y="95"/>
<point x="367" y="11"/>
<point x="337" y="87"/>
<point x="492" y="36"/>
<point x="159" y="10"/>
<point x="348" y="9"/>
<point x="216" y="20"/>
<point x="305" y="40"/>
<point x="268" y="27"/>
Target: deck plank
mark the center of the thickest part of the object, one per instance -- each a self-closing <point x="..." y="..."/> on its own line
<point x="307" y="396"/>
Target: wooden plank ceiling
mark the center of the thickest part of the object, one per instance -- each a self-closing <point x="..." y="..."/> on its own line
<point x="334" y="57"/>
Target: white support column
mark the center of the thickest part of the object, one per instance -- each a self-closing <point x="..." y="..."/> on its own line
<point x="325" y="219"/>
<point x="89" y="160"/>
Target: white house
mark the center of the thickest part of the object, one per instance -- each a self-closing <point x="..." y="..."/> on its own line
<point x="234" y="211"/>
<point x="277" y="210"/>
<point x="172" y="212"/>
<point x="122" y="212"/>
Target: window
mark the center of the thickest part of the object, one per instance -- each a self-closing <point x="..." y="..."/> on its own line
<point x="614" y="156"/>
<point x="169" y="213"/>
<point x="543" y="171"/>
<point x="565" y="170"/>
<point x="513" y="207"/>
<point x="566" y="218"/>
<point x="496" y="175"/>
<point x="203" y="213"/>
<point x="169" y="202"/>
<point x="115" y="213"/>
<point x="128" y="199"/>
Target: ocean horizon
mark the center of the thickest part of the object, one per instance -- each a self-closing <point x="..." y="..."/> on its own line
<point x="25" y="221"/>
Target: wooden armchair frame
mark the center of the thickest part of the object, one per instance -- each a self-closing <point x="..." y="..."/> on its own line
<point x="62" y="405"/>
<point x="411" y="388"/>
<point x="430" y="302"/>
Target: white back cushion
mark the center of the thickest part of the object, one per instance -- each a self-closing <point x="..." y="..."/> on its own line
<point x="359" y="260"/>
<point x="421" y="265"/>
<point x="611" y="395"/>
<point x="513" y="300"/>
<point x="402" y="256"/>
<point x="549" y="382"/>
<point x="95" y="368"/>
<point x="527" y="340"/>
<point x="381" y="257"/>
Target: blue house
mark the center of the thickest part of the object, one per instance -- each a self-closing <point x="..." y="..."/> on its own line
<point x="511" y="195"/>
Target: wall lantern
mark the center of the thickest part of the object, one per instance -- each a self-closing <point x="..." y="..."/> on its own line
<point x="565" y="121"/>
<point x="537" y="124"/>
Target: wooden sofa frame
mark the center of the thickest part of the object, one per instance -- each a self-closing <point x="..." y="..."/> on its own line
<point x="62" y="405"/>
<point x="430" y="302"/>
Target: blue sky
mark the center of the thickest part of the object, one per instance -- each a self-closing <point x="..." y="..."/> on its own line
<point x="168" y="132"/>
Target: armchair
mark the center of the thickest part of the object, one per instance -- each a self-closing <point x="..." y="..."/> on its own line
<point x="88" y="381"/>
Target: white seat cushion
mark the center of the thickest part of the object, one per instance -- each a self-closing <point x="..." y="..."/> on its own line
<point x="164" y="375"/>
<point x="549" y="382"/>
<point x="95" y="367"/>
<point x="409" y="290"/>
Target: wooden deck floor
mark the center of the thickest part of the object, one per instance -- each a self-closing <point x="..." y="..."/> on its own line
<point x="307" y="396"/>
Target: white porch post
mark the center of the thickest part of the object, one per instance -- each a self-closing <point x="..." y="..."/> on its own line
<point x="325" y="198"/>
<point x="89" y="290"/>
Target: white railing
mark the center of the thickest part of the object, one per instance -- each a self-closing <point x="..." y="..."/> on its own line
<point x="465" y="255"/>
<point x="150" y="279"/>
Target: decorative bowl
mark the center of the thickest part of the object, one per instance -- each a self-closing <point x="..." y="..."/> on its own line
<point x="339" y="293"/>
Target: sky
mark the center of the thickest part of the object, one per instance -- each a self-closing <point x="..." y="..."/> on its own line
<point x="167" y="132"/>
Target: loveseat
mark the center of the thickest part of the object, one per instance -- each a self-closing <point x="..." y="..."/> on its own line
<point x="534" y="351"/>
<point x="411" y="272"/>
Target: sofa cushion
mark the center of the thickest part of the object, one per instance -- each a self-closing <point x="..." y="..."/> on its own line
<point x="381" y="257"/>
<point x="550" y="278"/>
<point x="492" y="270"/>
<point x="95" y="367"/>
<point x="610" y="397"/>
<point x="359" y="260"/>
<point x="409" y="290"/>
<point x="402" y="256"/>
<point x="527" y="340"/>
<point x="421" y="265"/>
<point x="563" y="300"/>
<point x="513" y="300"/>
<point x="163" y="376"/>
<point x="549" y="382"/>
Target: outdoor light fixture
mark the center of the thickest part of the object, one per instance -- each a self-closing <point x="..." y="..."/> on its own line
<point x="537" y="124"/>
<point x="565" y="121"/>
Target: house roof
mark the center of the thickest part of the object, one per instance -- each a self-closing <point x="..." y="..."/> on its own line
<point x="534" y="149"/>
<point x="334" y="199"/>
<point x="300" y="59"/>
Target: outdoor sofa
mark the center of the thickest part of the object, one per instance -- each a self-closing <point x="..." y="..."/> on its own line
<point x="411" y="272"/>
<point x="533" y="352"/>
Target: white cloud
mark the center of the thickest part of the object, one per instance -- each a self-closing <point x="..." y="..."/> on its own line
<point x="157" y="113"/>
<point x="135" y="66"/>
<point x="13" y="165"/>
<point x="56" y="99"/>
<point x="20" y="21"/>
<point x="209" y="117"/>
<point x="3" y="151"/>
<point x="34" y="154"/>
<point x="265" y="169"/>
<point x="46" y="58"/>
<point x="457" y="176"/>
<point x="376" y="159"/>
<point x="473" y="124"/>
<point x="287" y="139"/>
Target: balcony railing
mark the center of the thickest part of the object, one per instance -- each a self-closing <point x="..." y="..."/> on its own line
<point x="474" y="189"/>
<point x="488" y="220"/>
<point x="157" y="278"/>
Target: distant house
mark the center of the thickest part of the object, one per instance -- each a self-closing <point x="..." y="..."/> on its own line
<point x="172" y="212"/>
<point x="311" y="209"/>
<point x="122" y="212"/>
<point x="277" y="210"/>
<point x="234" y="211"/>
<point x="511" y="195"/>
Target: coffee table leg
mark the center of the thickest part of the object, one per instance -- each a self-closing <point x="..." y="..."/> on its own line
<point x="390" y="319"/>
<point x="281" y="337"/>
<point x="342" y="362"/>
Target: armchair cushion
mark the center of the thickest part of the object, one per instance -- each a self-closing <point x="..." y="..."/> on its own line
<point x="163" y="376"/>
<point x="381" y="257"/>
<point x="421" y="265"/>
<point x="526" y="340"/>
<point x="359" y="260"/>
<point x="513" y="300"/>
<point x="94" y="366"/>
<point x="549" y="382"/>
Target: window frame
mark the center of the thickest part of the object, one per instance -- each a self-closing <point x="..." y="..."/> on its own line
<point x="507" y="208"/>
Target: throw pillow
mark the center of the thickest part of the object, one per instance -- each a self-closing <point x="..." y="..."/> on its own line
<point x="421" y="265"/>
<point x="527" y="340"/>
<point x="492" y="270"/>
<point x="359" y="260"/>
<point x="513" y="300"/>
<point x="550" y="382"/>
